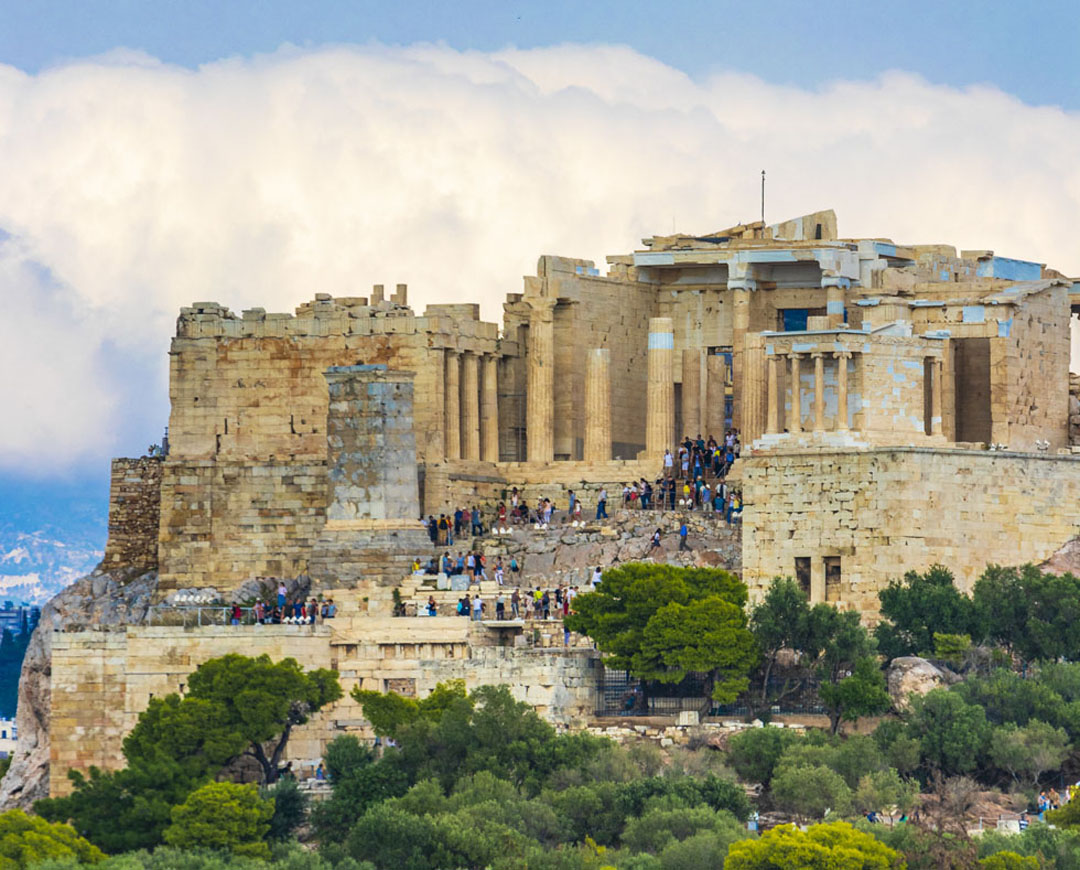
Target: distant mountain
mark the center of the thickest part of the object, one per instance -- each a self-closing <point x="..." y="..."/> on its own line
<point x="51" y="534"/>
<point x="34" y="566"/>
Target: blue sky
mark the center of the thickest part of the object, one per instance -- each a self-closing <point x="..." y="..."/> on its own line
<point x="354" y="156"/>
<point x="1027" y="49"/>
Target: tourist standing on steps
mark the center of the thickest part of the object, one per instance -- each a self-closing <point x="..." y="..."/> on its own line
<point x="669" y="464"/>
<point x="515" y="603"/>
<point x="281" y="593"/>
<point x="601" y="505"/>
<point x="596" y="577"/>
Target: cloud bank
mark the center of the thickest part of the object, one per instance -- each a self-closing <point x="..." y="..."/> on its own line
<point x="129" y="188"/>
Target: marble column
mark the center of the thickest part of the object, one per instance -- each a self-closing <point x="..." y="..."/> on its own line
<point x="691" y="393"/>
<point x="841" y="391"/>
<point x="935" y="397"/>
<point x="452" y="394"/>
<point x="489" y="408"/>
<point x="819" y="392"/>
<point x="795" y="420"/>
<point x="540" y="407"/>
<point x="660" y="399"/>
<point x="598" y="405"/>
<point x="470" y="405"/>
<point x="771" y="424"/>
<point x="715" y="394"/>
<point x="741" y="291"/>
<point x="835" y="288"/>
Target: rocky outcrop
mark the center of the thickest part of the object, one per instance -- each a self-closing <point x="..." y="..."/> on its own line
<point x="563" y="553"/>
<point x="911" y="675"/>
<point x="101" y="598"/>
<point x="1066" y="560"/>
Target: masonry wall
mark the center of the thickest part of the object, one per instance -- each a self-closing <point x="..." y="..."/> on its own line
<point x="887" y="511"/>
<point x="102" y="680"/>
<point x="134" y="512"/>
<point x="224" y="522"/>
<point x="253" y="388"/>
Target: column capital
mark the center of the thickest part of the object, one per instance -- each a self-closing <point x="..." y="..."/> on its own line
<point x="835" y="281"/>
<point x="747" y="284"/>
<point x="843" y="354"/>
<point x="817" y="354"/>
<point x="542" y="307"/>
<point x="795" y="355"/>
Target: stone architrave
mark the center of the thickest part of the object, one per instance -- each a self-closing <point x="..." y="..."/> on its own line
<point x="372" y="533"/>
<point x="660" y="400"/>
<point x="598" y="405"/>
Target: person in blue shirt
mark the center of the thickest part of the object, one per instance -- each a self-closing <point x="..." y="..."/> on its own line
<point x="683" y="532"/>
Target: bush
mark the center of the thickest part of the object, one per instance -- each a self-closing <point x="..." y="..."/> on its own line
<point x="26" y="840"/>
<point x="222" y="815"/>
<point x="811" y="792"/>
<point x="754" y="753"/>
<point x="821" y="847"/>
<point x="658" y="827"/>
<point x="951" y="733"/>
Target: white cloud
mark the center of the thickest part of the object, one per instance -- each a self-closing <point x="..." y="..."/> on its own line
<point x="129" y="188"/>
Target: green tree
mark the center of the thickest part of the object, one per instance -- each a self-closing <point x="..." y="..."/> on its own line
<point x="176" y="746"/>
<point x="660" y="621"/>
<point x="781" y="621"/>
<point x="225" y="816"/>
<point x="26" y="841"/>
<point x="822" y="847"/>
<point x="810" y="791"/>
<point x="913" y="610"/>
<point x="1034" y="614"/>
<point x="290" y="809"/>
<point x="885" y="790"/>
<point x="863" y="693"/>
<point x="659" y="826"/>
<point x="388" y="711"/>
<point x="262" y="701"/>
<point x="1028" y="752"/>
<point x="1010" y="861"/>
<point x="951" y="733"/>
<point x="755" y="752"/>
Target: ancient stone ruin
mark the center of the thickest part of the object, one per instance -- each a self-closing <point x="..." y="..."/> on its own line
<point x="898" y="406"/>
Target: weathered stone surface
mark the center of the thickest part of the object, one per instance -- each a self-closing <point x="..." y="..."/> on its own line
<point x="911" y="675"/>
<point x="100" y="599"/>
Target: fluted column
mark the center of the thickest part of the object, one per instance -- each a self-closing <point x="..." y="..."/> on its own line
<point x="795" y="421"/>
<point x="660" y="400"/>
<point x="470" y="405"/>
<point x="819" y="392"/>
<point x="715" y="394"/>
<point x="598" y="405"/>
<point x="539" y="423"/>
<point x="841" y="391"/>
<point x="489" y="408"/>
<point x="691" y="392"/>
<point x="935" y="397"/>
<point x="771" y="425"/>
<point x="452" y="394"/>
<point x="742" y="289"/>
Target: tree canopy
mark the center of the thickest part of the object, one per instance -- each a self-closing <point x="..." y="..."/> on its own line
<point x="236" y="704"/>
<point x="821" y="847"/>
<point x="222" y="815"/>
<point x="659" y="622"/>
<point x="26" y="841"/>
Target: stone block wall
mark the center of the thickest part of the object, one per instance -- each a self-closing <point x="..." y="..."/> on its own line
<point x="134" y="513"/>
<point x="882" y="512"/>
<point x="102" y="680"/>
<point x="224" y="522"/>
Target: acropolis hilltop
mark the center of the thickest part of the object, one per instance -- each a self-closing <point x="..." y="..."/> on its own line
<point x="897" y="406"/>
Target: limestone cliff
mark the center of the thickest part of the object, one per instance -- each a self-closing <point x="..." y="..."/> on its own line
<point x="101" y="598"/>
